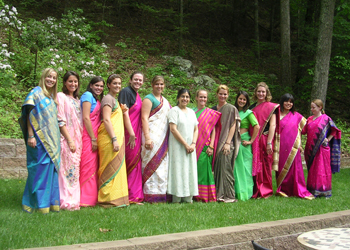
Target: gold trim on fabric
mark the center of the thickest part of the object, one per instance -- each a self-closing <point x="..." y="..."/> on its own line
<point x="120" y="202"/>
<point x="45" y="210"/>
<point x="292" y="154"/>
<point x="55" y="208"/>
<point x="27" y="209"/>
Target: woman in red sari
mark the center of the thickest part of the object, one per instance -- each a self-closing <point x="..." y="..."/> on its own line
<point x="133" y="126"/>
<point x="322" y="150"/>
<point x="89" y="156"/>
<point x="290" y="177"/>
<point x="266" y="148"/>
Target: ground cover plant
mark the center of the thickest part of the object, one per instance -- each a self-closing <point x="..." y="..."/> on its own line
<point x="22" y="230"/>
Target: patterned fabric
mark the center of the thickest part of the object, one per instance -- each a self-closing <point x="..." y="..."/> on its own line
<point x="155" y="161"/>
<point x="208" y="119"/>
<point x="43" y="162"/>
<point x="70" y="116"/>
<point x="112" y="180"/>
<point x="321" y="160"/>
<point x="89" y="162"/>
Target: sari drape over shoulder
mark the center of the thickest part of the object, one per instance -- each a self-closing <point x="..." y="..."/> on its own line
<point x="43" y="162"/>
<point x="321" y="160"/>
<point x="264" y="163"/>
<point x="155" y="161"/>
<point x="208" y="119"/>
<point x="112" y="181"/>
<point x="89" y="162"/>
<point x="224" y="164"/>
<point x="70" y="116"/>
<point x="133" y="156"/>
<point x="290" y="177"/>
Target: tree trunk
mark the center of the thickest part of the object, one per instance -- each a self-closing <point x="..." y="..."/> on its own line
<point x="181" y="26"/>
<point x="272" y="18"/>
<point x="323" y="53"/>
<point x="256" y="21"/>
<point x="286" y="74"/>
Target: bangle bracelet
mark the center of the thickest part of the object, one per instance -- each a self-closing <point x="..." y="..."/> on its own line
<point x="193" y="143"/>
<point x="70" y="141"/>
<point x="269" y="143"/>
<point x="94" y="139"/>
<point x="211" y="147"/>
<point x="30" y="137"/>
<point x="227" y="143"/>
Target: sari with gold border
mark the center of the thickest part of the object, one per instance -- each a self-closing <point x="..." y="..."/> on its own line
<point x="112" y="181"/>
<point x="43" y="162"/>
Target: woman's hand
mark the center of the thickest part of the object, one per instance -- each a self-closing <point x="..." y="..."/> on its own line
<point x="325" y="142"/>
<point x="245" y="143"/>
<point x="71" y="146"/>
<point x="209" y="151"/>
<point x="226" y="149"/>
<point x="149" y="144"/>
<point x="190" y="148"/>
<point x="269" y="149"/>
<point x="301" y="149"/>
<point x="115" y="146"/>
<point x="32" y="142"/>
<point x="131" y="142"/>
<point x="94" y="144"/>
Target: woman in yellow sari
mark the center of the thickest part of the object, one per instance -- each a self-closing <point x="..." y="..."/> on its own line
<point x="112" y="180"/>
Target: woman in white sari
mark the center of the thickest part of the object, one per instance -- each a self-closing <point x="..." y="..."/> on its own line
<point x="155" y="143"/>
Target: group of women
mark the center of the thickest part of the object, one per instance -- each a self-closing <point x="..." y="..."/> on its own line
<point x="118" y="149"/>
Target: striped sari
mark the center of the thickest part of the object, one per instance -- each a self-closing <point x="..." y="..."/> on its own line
<point x="208" y="120"/>
<point x="155" y="161"/>
<point x="112" y="181"/>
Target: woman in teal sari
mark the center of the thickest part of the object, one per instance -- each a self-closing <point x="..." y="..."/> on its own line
<point x="41" y="133"/>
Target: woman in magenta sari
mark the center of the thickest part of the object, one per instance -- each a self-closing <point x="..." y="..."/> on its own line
<point x="209" y="128"/>
<point x="266" y="148"/>
<point x="155" y="143"/>
<point x="322" y="150"/>
<point x="290" y="176"/>
<point x="132" y="100"/>
<point x="89" y="157"/>
<point x="71" y="127"/>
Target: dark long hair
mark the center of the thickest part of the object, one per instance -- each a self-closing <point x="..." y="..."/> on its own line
<point x="65" y="78"/>
<point x="286" y="98"/>
<point x="245" y="94"/>
<point x="180" y="92"/>
<point x="92" y="82"/>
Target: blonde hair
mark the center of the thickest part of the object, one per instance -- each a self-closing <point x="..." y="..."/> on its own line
<point x="319" y="103"/>
<point x="199" y="90"/>
<point x="50" y="93"/>
<point x="224" y="87"/>
<point x="268" y="93"/>
<point x="156" y="79"/>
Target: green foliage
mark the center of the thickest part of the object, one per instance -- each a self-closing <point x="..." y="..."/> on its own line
<point x="344" y="126"/>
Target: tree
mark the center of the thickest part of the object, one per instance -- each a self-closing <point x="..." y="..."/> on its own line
<point x="286" y="74"/>
<point x="323" y="53"/>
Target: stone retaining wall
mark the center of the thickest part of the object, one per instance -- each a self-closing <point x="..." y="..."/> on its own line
<point x="13" y="159"/>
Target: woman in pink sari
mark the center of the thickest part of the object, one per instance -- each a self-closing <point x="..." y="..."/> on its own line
<point x="266" y="148"/>
<point x="89" y="157"/>
<point x="132" y="100"/>
<point x="290" y="176"/>
<point x="71" y="127"/>
<point x="322" y="150"/>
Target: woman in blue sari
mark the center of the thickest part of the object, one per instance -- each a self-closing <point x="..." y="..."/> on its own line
<point x="42" y="137"/>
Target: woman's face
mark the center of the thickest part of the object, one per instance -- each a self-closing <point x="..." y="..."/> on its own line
<point x="51" y="80"/>
<point x="183" y="100"/>
<point x="115" y="86"/>
<point x="71" y="84"/>
<point x="97" y="88"/>
<point x="316" y="110"/>
<point x="202" y="98"/>
<point x="241" y="101"/>
<point x="261" y="94"/>
<point x="158" y="87"/>
<point x="222" y="95"/>
<point x="288" y="105"/>
<point x="136" y="82"/>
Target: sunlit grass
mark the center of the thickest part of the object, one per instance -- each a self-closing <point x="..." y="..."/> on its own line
<point x="19" y="229"/>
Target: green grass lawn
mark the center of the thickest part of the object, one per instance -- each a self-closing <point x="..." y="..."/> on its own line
<point x="19" y="229"/>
